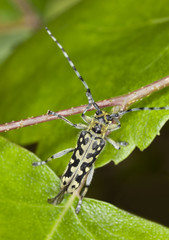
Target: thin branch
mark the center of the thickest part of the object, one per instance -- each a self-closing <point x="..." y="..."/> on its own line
<point x="122" y="102"/>
<point x="30" y="16"/>
<point x="29" y="19"/>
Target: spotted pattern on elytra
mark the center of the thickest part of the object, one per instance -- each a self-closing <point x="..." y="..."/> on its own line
<point x="76" y="158"/>
<point x="90" y="148"/>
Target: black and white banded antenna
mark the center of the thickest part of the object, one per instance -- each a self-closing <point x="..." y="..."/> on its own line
<point x="88" y="93"/>
<point x="121" y="113"/>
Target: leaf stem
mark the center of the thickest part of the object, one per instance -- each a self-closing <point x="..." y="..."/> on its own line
<point x="122" y="102"/>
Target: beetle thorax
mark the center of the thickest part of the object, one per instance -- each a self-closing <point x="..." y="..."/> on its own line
<point x="99" y="124"/>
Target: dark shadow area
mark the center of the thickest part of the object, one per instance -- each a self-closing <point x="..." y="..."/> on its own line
<point x="31" y="147"/>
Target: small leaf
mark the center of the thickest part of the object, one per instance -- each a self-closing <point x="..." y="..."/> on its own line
<point x="25" y="213"/>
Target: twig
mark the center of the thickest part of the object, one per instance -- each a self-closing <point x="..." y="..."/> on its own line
<point x="29" y="19"/>
<point x="30" y="16"/>
<point x="122" y="102"/>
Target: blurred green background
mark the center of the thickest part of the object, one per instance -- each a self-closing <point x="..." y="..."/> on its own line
<point x="140" y="183"/>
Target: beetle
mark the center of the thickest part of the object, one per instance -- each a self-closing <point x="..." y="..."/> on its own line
<point x="90" y="143"/>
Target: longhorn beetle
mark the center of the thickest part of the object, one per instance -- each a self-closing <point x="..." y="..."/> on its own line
<point x="90" y="143"/>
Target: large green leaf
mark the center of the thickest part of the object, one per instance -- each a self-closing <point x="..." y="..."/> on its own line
<point x="118" y="46"/>
<point x="25" y="213"/>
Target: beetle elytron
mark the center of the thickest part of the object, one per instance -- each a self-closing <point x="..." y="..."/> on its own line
<point x="90" y="142"/>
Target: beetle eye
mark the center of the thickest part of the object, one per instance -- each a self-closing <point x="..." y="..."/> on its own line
<point x="109" y="118"/>
<point x="98" y="112"/>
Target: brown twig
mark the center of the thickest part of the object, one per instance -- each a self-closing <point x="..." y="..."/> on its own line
<point x="30" y="16"/>
<point x="122" y="102"/>
<point x="29" y="19"/>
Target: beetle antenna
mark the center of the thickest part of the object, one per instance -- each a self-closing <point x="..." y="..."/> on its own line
<point x="119" y="114"/>
<point x="88" y="92"/>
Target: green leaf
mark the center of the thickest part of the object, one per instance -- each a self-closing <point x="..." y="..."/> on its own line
<point x="8" y="42"/>
<point x="25" y="213"/>
<point x="117" y="46"/>
<point x="58" y="7"/>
